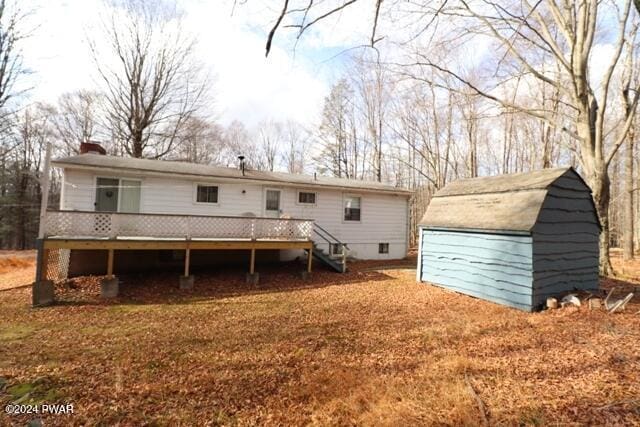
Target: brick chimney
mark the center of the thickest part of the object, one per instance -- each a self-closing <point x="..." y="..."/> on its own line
<point x="92" y="147"/>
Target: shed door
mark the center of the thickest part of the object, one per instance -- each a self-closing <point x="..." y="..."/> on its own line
<point x="107" y="195"/>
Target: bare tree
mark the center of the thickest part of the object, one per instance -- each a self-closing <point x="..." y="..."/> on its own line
<point x="343" y="153"/>
<point x="372" y="82"/>
<point x="271" y="138"/>
<point x="154" y="85"/>
<point x="76" y="120"/>
<point x="524" y="33"/>
<point x="201" y="141"/>
<point x="32" y="130"/>
<point x="12" y="35"/>
<point x="296" y="140"/>
<point x="628" y="203"/>
<point x="238" y="143"/>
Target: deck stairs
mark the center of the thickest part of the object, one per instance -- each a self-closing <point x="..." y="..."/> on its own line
<point x="336" y="260"/>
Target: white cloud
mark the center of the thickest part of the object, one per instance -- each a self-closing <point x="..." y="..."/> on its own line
<point x="248" y="86"/>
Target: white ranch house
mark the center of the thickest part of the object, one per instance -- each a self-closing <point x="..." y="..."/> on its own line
<point x="117" y="204"/>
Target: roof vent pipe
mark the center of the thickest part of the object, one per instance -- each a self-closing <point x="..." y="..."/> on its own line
<point x="241" y="158"/>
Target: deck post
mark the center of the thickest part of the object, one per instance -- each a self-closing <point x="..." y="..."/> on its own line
<point x="45" y="264"/>
<point x="187" y="256"/>
<point x="252" y="263"/>
<point x="310" y="260"/>
<point x="252" y="277"/>
<point x="186" y="281"/>
<point x="42" y="290"/>
<point x="110" y="264"/>
<point x="110" y="286"/>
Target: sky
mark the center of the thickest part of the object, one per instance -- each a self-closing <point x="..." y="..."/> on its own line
<point x="291" y="83"/>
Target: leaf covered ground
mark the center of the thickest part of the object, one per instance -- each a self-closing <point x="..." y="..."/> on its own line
<point x="370" y="347"/>
<point x="17" y="268"/>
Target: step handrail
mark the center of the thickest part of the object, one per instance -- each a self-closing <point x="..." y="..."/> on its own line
<point x="320" y="231"/>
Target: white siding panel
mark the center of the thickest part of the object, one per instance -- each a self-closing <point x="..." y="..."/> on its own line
<point x="79" y="191"/>
<point x="383" y="217"/>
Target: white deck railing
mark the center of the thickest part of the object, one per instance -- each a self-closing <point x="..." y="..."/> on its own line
<point x="111" y="225"/>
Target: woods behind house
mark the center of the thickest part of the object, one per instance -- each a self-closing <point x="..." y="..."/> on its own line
<point x="417" y="112"/>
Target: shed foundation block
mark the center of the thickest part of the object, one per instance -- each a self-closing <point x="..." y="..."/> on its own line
<point x="42" y="293"/>
<point x="252" y="278"/>
<point x="109" y="288"/>
<point x="186" y="282"/>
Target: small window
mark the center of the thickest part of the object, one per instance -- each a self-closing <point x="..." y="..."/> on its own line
<point x="306" y="198"/>
<point x="351" y="208"/>
<point x="383" y="248"/>
<point x="336" y="248"/>
<point x="207" y="194"/>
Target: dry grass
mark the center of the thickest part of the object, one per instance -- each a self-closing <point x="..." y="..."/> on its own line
<point x="16" y="268"/>
<point x="368" y="347"/>
<point x="10" y="264"/>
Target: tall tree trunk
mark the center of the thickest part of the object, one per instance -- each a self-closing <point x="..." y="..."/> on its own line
<point x="598" y="179"/>
<point x="628" y="233"/>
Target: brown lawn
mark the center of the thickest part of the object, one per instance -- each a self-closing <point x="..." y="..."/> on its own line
<point x="17" y="268"/>
<point x="368" y="347"/>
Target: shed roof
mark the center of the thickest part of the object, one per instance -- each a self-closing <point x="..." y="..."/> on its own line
<point x="499" y="203"/>
<point x="132" y="165"/>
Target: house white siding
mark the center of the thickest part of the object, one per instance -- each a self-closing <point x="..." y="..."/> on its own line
<point x="383" y="216"/>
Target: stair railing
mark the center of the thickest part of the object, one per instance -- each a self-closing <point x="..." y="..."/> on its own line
<point x="332" y="240"/>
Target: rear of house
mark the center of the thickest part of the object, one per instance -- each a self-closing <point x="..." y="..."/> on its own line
<point x="370" y="218"/>
<point x="512" y="239"/>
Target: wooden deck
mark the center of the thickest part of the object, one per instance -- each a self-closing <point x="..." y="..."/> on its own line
<point x="110" y="231"/>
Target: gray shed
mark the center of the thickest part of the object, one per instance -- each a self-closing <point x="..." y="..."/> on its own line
<point x="512" y="239"/>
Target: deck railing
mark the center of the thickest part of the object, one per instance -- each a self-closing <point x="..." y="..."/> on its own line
<point x="85" y="224"/>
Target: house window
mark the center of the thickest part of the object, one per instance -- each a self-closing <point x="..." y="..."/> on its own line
<point x="117" y="195"/>
<point x="336" y="248"/>
<point x="207" y="194"/>
<point x="383" y="248"/>
<point x="352" y="208"/>
<point x="306" y="198"/>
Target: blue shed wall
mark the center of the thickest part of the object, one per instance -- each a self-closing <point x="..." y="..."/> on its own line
<point x="494" y="267"/>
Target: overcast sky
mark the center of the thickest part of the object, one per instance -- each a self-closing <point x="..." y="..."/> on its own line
<point x="248" y="86"/>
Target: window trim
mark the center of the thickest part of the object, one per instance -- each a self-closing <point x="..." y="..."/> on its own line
<point x="298" y="202"/>
<point x="119" y="178"/>
<point x="205" y="184"/>
<point x="351" y="221"/>
<point x="380" y="251"/>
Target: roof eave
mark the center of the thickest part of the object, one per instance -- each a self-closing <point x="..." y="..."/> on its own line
<point x="61" y="164"/>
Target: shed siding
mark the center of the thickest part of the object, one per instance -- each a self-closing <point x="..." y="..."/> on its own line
<point x="384" y="216"/>
<point x="490" y="266"/>
<point x="565" y="241"/>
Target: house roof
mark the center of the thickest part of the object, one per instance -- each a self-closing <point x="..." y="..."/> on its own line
<point x="132" y="165"/>
<point x="499" y="203"/>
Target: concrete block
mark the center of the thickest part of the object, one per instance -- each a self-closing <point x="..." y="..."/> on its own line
<point x="305" y="275"/>
<point x="186" y="282"/>
<point x="42" y="293"/>
<point x="109" y="288"/>
<point x="253" y="279"/>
